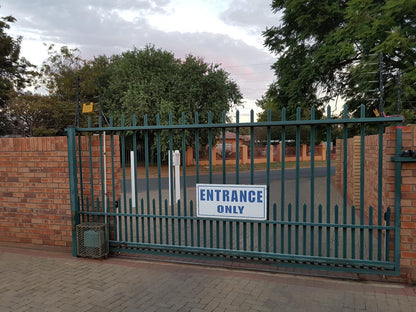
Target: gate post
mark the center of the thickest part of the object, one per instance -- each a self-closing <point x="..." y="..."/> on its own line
<point x="397" y="198"/>
<point x="73" y="185"/>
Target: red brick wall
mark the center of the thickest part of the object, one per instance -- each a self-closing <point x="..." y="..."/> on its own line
<point x="34" y="188"/>
<point x="408" y="187"/>
<point x="34" y="192"/>
<point x="408" y="207"/>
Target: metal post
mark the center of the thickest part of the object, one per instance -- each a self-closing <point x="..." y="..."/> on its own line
<point x="78" y="106"/>
<point x="73" y="186"/>
<point x="170" y="177"/>
<point x="399" y="92"/>
<point x="133" y="182"/>
<point x="381" y="87"/>
<point x="397" y="198"/>
<point x="177" y="164"/>
<point x="105" y="177"/>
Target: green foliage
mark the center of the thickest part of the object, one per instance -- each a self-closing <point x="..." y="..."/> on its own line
<point x="332" y="48"/>
<point x="143" y="82"/>
<point x="37" y="115"/>
<point x="64" y="66"/>
<point x="15" y="72"/>
<point x="138" y="82"/>
<point x="153" y="82"/>
<point x="272" y="112"/>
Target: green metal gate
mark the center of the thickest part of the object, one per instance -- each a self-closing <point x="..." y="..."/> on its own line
<point x="308" y="224"/>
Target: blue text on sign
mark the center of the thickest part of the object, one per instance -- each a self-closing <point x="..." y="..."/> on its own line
<point x="240" y="196"/>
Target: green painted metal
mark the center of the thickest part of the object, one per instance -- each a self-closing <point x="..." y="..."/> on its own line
<point x="397" y="199"/>
<point x="284" y="122"/>
<point x="345" y="183"/>
<point x="362" y="184"/>
<point x="312" y="234"/>
<point x="73" y="184"/>
<point x="252" y="148"/>
<point x="237" y="151"/>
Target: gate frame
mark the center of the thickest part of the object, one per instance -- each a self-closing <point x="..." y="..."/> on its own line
<point x="73" y="167"/>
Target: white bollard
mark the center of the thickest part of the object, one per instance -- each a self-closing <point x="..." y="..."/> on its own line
<point x="169" y="178"/>
<point x="133" y="180"/>
<point x="175" y="161"/>
<point x="177" y="164"/>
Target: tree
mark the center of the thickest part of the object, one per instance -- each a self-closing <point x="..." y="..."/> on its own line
<point x="330" y="47"/>
<point x="70" y="78"/>
<point x="152" y="81"/>
<point x="65" y="65"/>
<point x="268" y="103"/>
<point x="143" y="82"/>
<point x="140" y="81"/>
<point x="36" y="115"/>
<point x="15" y="72"/>
<point x="13" y="68"/>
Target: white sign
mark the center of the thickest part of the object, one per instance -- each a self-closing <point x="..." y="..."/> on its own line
<point x="231" y="201"/>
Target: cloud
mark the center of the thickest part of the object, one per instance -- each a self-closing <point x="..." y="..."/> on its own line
<point x="254" y="15"/>
<point x="112" y="26"/>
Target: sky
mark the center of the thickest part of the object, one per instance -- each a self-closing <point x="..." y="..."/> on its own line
<point x="225" y="32"/>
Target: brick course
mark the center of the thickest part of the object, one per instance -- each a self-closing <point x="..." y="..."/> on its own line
<point x="408" y="186"/>
<point x="34" y="188"/>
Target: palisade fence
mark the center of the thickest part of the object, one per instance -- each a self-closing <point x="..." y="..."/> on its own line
<point x="308" y="222"/>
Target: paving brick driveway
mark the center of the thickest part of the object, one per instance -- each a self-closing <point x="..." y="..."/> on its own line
<point x="38" y="280"/>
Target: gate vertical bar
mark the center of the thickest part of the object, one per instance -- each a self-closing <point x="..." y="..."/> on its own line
<point x="269" y="136"/>
<point x="313" y="159"/>
<point x="298" y="117"/>
<point x="397" y="199"/>
<point x="146" y="162"/>
<point x="252" y="149"/>
<point x="380" y="190"/>
<point x="113" y="184"/>
<point x="210" y="147"/>
<point x="80" y="172"/>
<point x="184" y="164"/>
<point x="73" y="186"/>
<point x="224" y="150"/>
<point x="184" y="177"/>
<point x="197" y="148"/>
<point x="283" y="160"/>
<point x="237" y="149"/>
<point x="159" y="166"/>
<point x="312" y="204"/>
<point x="328" y="159"/>
<point x="102" y="170"/>
<point x="344" y="182"/>
<point x="362" y="183"/>
<point x="123" y="165"/>
<point x="91" y="169"/>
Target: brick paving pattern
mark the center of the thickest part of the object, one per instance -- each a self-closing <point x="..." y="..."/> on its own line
<point x="37" y="280"/>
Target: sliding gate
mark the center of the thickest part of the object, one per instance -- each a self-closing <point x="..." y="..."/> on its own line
<point x="307" y="222"/>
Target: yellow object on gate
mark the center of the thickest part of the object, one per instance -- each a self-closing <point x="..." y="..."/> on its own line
<point x="87" y="108"/>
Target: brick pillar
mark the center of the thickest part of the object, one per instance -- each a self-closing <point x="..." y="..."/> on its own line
<point x="214" y="156"/>
<point x="323" y="150"/>
<point x="278" y="153"/>
<point x="408" y="207"/>
<point x="244" y="154"/>
<point x="190" y="156"/>
<point x="303" y="155"/>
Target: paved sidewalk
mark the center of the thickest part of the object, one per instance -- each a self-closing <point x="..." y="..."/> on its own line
<point x="35" y="280"/>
